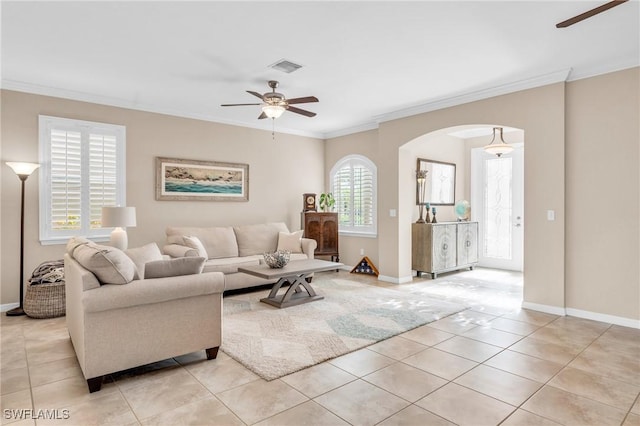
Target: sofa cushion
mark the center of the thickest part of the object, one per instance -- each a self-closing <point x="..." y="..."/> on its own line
<point x="108" y="264"/>
<point x="257" y="239"/>
<point x="290" y="241"/>
<point x="195" y="243"/>
<point x="217" y="241"/>
<point x="230" y="265"/>
<point x="174" y="267"/>
<point x="142" y="255"/>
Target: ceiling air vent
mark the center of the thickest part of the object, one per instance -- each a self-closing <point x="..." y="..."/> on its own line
<point x="285" y="66"/>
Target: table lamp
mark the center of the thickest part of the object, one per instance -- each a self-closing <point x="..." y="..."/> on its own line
<point x="118" y="217"/>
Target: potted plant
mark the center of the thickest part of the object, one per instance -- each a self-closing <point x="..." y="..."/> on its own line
<point x="326" y="201"/>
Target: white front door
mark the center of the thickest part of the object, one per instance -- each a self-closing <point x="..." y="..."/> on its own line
<point x="497" y="201"/>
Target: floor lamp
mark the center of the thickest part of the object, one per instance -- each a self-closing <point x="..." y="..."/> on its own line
<point x="23" y="170"/>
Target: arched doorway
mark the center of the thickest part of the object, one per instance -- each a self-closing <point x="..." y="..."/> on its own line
<point x="494" y="186"/>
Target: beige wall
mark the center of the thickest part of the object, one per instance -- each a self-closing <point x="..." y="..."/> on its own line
<point x="601" y="137"/>
<point x="277" y="179"/>
<point x="365" y="143"/>
<point x="603" y="214"/>
<point x="540" y="112"/>
<point x="437" y="147"/>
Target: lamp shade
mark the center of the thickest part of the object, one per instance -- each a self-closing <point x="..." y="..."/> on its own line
<point x="273" y="111"/>
<point x="498" y="147"/>
<point x="23" y="169"/>
<point x="118" y="217"/>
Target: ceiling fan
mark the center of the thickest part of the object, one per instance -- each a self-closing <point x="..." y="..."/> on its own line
<point x="590" y="13"/>
<point x="274" y="103"/>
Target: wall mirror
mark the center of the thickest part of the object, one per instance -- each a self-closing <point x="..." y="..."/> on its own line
<point x="440" y="188"/>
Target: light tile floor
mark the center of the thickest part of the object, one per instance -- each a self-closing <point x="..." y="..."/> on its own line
<point x="492" y="364"/>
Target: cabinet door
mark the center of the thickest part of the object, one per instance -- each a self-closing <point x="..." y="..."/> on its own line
<point x="467" y="243"/>
<point x="330" y="233"/>
<point x="312" y="227"/>
<point x="444" y="247"/>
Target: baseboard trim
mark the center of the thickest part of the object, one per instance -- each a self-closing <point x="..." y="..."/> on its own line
<point x="8" y="306"/>
<point x="611" y="319"/>
<point x="579" y="313"/>
<point x="394" y="280"/>
<point x="547" y="309"/>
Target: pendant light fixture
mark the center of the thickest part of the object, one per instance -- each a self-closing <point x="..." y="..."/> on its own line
<point x="500" y="147"/>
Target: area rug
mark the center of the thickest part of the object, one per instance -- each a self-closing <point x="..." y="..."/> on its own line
<point x="274" y="342"/>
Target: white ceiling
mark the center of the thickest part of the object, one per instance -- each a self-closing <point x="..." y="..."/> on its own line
<point x="366" y="61"/>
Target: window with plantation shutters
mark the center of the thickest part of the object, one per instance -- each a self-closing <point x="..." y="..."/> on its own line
<point x="353" y="185"/>
<point x="82" y="170"/>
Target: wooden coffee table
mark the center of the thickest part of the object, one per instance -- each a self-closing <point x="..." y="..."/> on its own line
<point x="295" y="272"/>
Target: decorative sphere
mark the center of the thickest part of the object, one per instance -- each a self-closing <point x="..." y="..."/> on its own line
<point x="462" y="209"/>
<point x="277" y="259"/>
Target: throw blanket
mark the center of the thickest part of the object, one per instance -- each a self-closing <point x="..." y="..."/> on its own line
<point x="48" y="272"/>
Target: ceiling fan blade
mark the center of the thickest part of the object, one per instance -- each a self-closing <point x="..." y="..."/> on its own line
<point x="304" y="100"/>
<point x="256" y="94"/>
<point x="301" y="111"/>
<point x="589" y="13"/>
<point x="238" y="104"/>
<point x="261" y="116"/>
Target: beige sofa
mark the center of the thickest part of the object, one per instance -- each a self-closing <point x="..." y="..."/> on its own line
<point x="130" y="322"/>
<point x="227" y="248"/>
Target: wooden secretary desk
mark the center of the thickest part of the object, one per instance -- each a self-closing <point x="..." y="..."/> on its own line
<point x="322" y="227"/>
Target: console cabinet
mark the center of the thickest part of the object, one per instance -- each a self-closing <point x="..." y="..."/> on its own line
<point x="322" y="227"/>
<point x="443" y="247"/>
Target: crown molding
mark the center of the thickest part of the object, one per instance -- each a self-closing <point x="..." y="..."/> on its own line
<point x="465" y="98"/>
<point x="603" y="69"/>
<point x="36" y="89"/>
<point x="364" y="127"/>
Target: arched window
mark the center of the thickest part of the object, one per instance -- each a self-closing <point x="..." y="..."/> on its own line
<point x="353" y="182"/>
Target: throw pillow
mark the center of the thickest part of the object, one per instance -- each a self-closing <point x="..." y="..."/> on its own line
<point x="174" y="267"/>
<point x="75" y="242"/>
<point x="290" y="241"/>
<point x="195" y="243"/>
<point x="142" y="255"/>
<point x="108" y="264"/>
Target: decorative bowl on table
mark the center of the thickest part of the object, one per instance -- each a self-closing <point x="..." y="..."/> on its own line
<point x="277" y="259"/>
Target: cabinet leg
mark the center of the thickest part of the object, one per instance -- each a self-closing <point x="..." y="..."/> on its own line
<point x="418" y="274"/>
<point x="434" y="275"/>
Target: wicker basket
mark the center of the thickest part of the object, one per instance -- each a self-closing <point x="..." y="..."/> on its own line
<point x="46" y="300"/>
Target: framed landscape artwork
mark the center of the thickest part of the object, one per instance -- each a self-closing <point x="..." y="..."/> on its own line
<point x="188" y="180"/>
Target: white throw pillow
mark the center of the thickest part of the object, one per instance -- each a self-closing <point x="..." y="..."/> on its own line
<point x="75" y="242"/>
<point x="108" y="264"/>
<point x="142" y="255"/>
<point x="195" y="243"/>
<point x="290" y="241"/>
<point x="174" y="267"/>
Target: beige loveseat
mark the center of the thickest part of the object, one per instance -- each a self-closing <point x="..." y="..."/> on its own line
<point x="227" y="248"/>
<point x="117" y="322"/>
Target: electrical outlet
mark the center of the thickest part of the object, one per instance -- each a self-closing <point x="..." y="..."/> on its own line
<point x="392" y="213"/>
<point x="361" y="252"/>
<point x="551" y="215"/>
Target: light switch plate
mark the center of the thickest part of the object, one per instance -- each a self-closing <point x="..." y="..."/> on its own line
<point x="392" y="213"/>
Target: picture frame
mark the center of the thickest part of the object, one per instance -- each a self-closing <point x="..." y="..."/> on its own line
<point x="199" y="180"/>
<point x="441" y="182"/>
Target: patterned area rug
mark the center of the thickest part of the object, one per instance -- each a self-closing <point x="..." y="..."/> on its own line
<point x="275" y="342"/>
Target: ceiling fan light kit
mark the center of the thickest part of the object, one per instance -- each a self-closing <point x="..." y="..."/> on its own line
<point x="273" y="111"/>
<point x="498" y="148"/>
